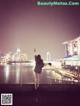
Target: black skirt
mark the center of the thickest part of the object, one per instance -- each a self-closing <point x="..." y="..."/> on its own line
<point x="38" y="69"/>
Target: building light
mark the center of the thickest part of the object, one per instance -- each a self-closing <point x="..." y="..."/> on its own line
<point x="18" y="50"/>
<point x="48" y="56"/>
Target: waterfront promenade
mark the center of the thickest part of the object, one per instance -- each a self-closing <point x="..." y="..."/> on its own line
<point x="19" y="80"/>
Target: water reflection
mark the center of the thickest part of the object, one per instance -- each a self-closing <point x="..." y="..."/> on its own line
<point x="22" y="73"/>
<point x="7" y="72"/>
<point x="18" y="74"/>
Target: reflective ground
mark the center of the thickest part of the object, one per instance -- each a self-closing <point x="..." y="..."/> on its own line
<point x="57" y="87"/>
<point x="45" y="95"/>
<point x="22" y="73"/>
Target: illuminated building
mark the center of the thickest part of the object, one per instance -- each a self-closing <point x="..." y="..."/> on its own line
<point x="17" y="56"/>
<point x="72" y="47"/>
<point x="18" y="50"/>
<point x="48" y="56"/>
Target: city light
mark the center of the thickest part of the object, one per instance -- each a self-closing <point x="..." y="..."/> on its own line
<point x="60" y="71"/>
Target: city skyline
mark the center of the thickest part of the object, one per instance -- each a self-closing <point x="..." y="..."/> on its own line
<point x="25" y="25"/>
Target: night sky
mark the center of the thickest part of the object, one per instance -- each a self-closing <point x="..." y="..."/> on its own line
<point x="25" y="25"/>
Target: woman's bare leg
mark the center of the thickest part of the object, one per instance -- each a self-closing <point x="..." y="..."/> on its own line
<point x="38" y="80"/>
<point x="35" y="80"/>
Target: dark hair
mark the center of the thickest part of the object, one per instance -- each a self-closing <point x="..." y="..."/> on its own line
<point x="38" y="56"/>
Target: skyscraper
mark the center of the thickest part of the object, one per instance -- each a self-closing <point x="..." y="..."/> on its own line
<point x="48" y="56"/>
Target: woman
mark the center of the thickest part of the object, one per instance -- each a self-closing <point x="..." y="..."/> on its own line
<point x="38" y="68"/>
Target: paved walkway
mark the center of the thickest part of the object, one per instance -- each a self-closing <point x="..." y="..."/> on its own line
<point x="46" y="95"/>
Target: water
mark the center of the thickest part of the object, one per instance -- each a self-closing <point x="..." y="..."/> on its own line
<point x="26" y="95"/>
<point x="16" y="74"/>
<point x="19" y="73"/>
<point x="23" y="73"/>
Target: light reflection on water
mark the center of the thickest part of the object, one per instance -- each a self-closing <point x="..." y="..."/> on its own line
<point x="22" y="73"/>
<point x="7" y="72"/>
<point x="16" y="74"/>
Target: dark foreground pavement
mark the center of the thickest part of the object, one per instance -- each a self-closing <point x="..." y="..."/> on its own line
<point x="45" y="95"/>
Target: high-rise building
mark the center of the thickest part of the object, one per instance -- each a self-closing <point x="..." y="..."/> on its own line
<point x="48" y="56"/>
<point x="72" y="47"/>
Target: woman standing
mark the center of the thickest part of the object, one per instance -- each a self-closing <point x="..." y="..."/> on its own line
<point x="38" y="68"/>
